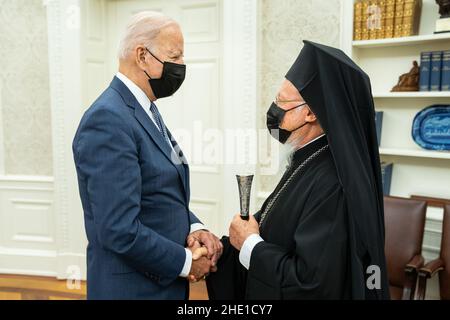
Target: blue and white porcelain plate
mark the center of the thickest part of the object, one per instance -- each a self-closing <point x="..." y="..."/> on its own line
<point x="431" y="128"/>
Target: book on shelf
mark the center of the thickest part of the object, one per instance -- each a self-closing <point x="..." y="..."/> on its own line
<point x="374" y="19"/>
<point x="379" y="125"/>
<point x="364" y="19"/>
<point x="386" y="177"/>
<point x="435" y="71"/>
<point x="445" y="76"/>
<point x="398" y="20"/>
<point x="382" y="19"/>
<point x="412" y="12"/>
<point x="357" y="20"/>
<point x="436" y="67"/>
<point x="381" y="33"/>
<point x="425" y="71"/>
<point x="390" y="19"/>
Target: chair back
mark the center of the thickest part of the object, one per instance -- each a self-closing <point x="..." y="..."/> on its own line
<point x="404" y="224"/>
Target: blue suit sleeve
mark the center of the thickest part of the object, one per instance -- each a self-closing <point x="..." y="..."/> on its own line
<point x="106" y="156"/>
<point x="193" y="218"/>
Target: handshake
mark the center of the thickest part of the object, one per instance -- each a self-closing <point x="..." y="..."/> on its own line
<point x="206" y="250"/>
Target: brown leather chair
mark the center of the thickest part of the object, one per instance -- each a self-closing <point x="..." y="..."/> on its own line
<point x="439" y="266"/>
<point x="404" y="223"/>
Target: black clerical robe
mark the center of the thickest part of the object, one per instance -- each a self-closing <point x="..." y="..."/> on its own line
<point x="305" y="250"/>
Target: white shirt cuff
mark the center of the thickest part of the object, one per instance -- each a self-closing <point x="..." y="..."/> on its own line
<point x="197" y="226"/>
<point x="247" y="249"/>
<point x="187" y="264"/>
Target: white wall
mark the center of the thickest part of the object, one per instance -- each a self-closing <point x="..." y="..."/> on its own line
<point x="2" y="147"/>
<point x="28" y="242"/>
<point x="42" y="230"/>
<point x="24" y="79"/>
<point x="284" y="24"/>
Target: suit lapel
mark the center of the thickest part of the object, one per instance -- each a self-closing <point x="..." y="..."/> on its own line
<point x="154" y="133"/>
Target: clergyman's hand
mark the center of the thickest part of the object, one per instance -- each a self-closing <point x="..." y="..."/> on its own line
<point x="241" y="229"/>
<point x="208" y="240"/>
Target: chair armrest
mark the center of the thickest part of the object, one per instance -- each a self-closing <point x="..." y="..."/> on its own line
<point x="411" y="271"/>
<point x="431" y="268"/>
<point x="425" y="273"/>
<point x="415" y="264"/>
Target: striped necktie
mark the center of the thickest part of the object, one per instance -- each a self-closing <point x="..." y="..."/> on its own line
<point x="162" y="128"/>
<point x="159" y="121"/>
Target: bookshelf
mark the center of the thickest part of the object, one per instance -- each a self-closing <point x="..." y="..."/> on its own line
<point x="404" y="41"/>
<point x="416" y="171"/>
<point x="412" y="95"/>
<point x="415" y="153"/>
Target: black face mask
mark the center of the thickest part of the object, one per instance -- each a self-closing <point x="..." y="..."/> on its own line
<point x="275" y="117"/>
<point x="172" y="78"/>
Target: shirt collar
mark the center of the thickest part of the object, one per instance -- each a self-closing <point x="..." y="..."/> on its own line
<point x="308" y="149"/>
<point x="137" y="92"/>
<point x="313" y="140"/>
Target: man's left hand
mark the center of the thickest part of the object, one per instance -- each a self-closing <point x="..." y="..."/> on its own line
<point x="210" y="241"/>
<point x="241" y="229"/>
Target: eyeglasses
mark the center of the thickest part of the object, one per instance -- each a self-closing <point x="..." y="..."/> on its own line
<point x="277" y="101"/>
<point x="302" y="103"/>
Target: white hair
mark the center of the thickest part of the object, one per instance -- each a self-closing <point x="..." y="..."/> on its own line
<point x="142" y="29"/>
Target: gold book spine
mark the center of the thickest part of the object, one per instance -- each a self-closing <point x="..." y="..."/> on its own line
<point x="390" y="17"/>
<point x="357" y="21"/>
<point x="411" y="17"/>
<point x="374" y="19"/>
<point x="398" y="24"/>
<point x="381" y="33"/>
<point x="365" y="18"/>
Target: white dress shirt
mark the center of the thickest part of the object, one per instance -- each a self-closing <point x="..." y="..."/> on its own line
<point x="250" y="243"/>
<point x="145" y="103"/>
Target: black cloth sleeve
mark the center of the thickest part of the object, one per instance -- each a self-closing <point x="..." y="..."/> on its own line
<point x="228" y="283"/>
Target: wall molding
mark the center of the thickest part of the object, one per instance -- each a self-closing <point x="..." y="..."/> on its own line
<point x="56" y="48"/>
<point x="13" y="181"/>
<point x="346" y="27"/>
<point x="41" y="263"/>
<point x="240" y="35"/>
<point x="64" y="32"/>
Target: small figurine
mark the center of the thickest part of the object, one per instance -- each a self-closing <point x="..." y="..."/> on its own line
<point x="443" y="23"/>
<point x="409" y="81"/>
<point x="444" y="8"/>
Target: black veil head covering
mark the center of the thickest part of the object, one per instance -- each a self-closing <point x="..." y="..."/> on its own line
<point x="339" y="94"/>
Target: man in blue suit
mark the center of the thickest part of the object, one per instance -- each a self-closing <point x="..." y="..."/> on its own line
<point x="134" y="180"/>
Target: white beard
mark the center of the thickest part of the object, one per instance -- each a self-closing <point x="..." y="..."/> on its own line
<point x="286" y="152"/>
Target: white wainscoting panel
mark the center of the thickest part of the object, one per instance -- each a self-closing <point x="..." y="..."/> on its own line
<point x="207" y="211"/>
<point x="27" y="226"/>
<point x="200" y="21"/>
<point x="95" y="69"/>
